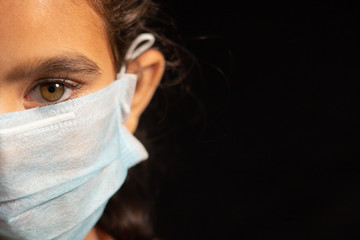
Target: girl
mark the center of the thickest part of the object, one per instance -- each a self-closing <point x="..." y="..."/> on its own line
<point x="77" y="79"/>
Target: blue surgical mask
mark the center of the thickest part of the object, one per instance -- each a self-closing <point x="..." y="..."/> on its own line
<point x="60" y="164"/>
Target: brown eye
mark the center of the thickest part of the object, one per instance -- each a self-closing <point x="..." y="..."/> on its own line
<point x="52" y="92"/>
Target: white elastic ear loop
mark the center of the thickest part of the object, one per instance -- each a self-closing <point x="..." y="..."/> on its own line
<point x="134" y="50"/>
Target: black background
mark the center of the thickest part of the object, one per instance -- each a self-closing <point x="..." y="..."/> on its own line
<point x="280" y="155"/>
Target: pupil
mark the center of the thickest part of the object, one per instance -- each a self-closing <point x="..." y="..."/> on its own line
<point x="52" y="89"/>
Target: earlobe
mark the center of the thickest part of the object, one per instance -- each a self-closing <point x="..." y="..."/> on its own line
<point x="150" y="68"/>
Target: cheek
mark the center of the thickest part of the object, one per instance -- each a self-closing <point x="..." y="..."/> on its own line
<point x="11" y="98"/>
<point x="98" y="84"/>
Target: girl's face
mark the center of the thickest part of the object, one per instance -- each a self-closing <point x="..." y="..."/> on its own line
<point x="50" y="51"/>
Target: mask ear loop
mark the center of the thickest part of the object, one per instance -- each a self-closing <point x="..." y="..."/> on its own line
<point x="146" y="40"/>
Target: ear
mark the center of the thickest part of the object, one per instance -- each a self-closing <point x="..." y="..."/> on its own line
<point x="149" y="68"/>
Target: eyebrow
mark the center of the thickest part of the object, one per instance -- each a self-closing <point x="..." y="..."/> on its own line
<point x="67" y="63"/>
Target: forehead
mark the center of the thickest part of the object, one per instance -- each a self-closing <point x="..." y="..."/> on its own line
<point x="43" y="28"/>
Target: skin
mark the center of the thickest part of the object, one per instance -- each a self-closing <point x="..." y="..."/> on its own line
<point x="37" y="35"/>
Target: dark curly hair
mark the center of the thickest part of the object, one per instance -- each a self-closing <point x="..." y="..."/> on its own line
<point x="129" y="213"/>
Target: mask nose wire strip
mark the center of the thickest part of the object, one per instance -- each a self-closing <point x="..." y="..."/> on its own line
<point x="38" y="124"/>
<point x="135" y="50"/>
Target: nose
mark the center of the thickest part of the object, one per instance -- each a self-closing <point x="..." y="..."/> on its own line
<point x="10" y="101"/>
